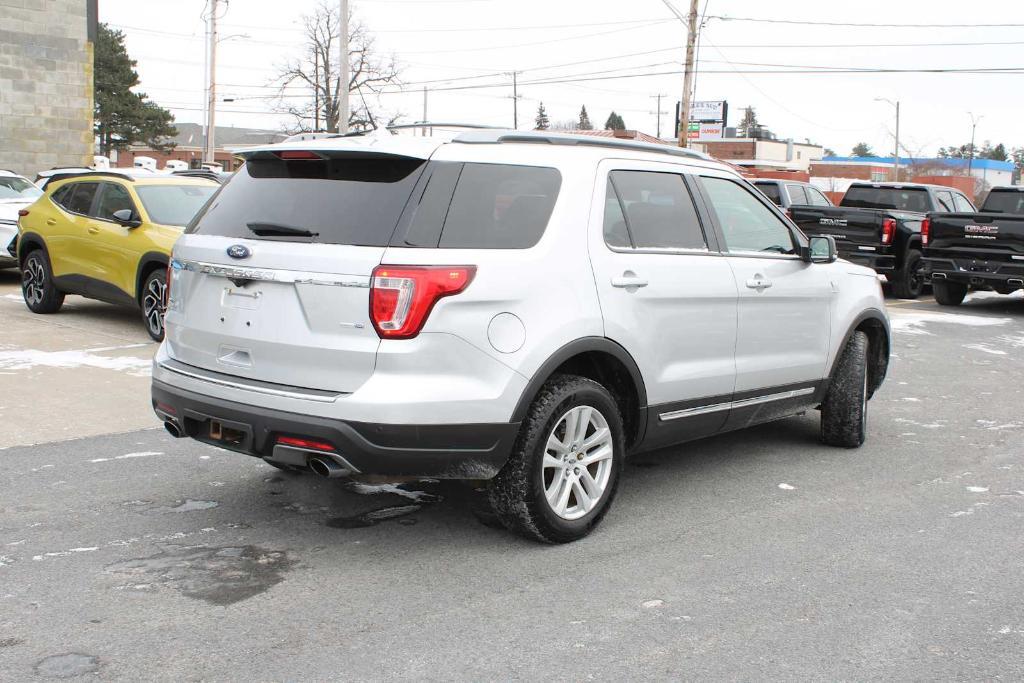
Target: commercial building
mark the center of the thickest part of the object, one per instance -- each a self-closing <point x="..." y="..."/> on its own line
<point x="765" y="154"/>
<point x="190" y="142"/>
<point x="46" y="83"/>
<point x="988" y="171"/>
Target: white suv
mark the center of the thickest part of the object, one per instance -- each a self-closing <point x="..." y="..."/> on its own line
<point x="522" y="308"/>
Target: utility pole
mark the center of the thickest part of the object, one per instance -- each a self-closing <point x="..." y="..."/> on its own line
<point x="343" y="78"/>
<point x="658" y="111"/>
<point x="974" y="125"/>
<point x="691" y="40"/>
<point x="211" y="103"/>
<point x="896" y="155"/>
<point x="423" y="131"/>
<point x="316" y="90"/>
<point x="515" y="101"/>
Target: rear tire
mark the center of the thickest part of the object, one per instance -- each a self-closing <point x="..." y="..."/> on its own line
<point x="949" y="293"/>
<point x="908" y="282"/>
<point x="844" y="412"/>
<point x="37" y="285"/>
<point x="564" y="469"/>
<point x="153" y="303"/>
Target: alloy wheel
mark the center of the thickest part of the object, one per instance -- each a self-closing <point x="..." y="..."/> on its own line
<point x="577" y="462"/>
<point x="153" y="307"/>
<point x="33" y="281"/>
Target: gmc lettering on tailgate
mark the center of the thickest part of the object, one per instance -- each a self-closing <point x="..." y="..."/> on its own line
<point x="839" y="222"/>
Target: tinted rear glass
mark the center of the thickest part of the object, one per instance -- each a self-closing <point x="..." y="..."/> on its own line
<point x="797" y="195"/>
<point x="17" y="189"/>
<point x="1004" y="202"/>
<point x="352" y="199"/>
<point x="771" y="190"/>
<point x="174" y="204"/>
<point x="79" y="198"/>
<point x="902" y="199"/>
<point x="479" y="206"/>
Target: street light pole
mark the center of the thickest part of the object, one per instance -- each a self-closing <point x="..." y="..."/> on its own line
<point x="974" y="125"/>
<point x="211" y="112"/>
<point x="691" y="40"/>
<point x="344" y="76"/>
<point x="896" y="154"/>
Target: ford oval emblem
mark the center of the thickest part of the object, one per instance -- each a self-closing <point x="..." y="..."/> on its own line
<point x="239" y="251"/>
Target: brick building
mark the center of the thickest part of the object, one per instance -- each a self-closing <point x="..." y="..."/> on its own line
<point x="189" y="144"/>
<point x="762" y="155"/>
<point x="46" y="88"/>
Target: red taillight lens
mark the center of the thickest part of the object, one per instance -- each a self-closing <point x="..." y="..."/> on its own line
<point x="888" y="230"/>
<point x="297" y="154"/>
<point x="304" y="443"/>
<point x="22" y="212"/>
<point x="401" y="297"/>
<point x="926" y="229"/>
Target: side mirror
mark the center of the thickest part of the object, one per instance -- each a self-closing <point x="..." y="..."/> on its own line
<point x="822" y="249"/>
<point x="127" y="218"/>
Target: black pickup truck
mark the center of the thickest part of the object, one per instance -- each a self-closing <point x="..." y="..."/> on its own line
<point x="879" y="225"/>
<point x="984" y="250"/>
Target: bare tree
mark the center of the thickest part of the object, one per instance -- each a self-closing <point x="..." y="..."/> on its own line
<point x="308" y="86"/>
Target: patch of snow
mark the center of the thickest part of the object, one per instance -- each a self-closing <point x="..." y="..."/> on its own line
<point x="787" y="487"/>
<point x="65" y="553"/>
<point x="910" y="399"/>
<point x="984" y="348"/>
<point x="913" y="322"/>
<point x="649" y="604"/>
<point x="977" y="489"/>
<point x="27" y="359"/>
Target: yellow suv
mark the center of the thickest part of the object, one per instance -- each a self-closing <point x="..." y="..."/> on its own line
<point x="106" y="236"/>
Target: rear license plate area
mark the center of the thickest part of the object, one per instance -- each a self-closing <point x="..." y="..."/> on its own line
<point x="236" y="436"/>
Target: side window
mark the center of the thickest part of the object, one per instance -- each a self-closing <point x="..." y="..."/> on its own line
<point x="770" y="190"/>
<point x="114" y="197"/>
<point x="797" y="194"/>
<point x="658" y="210"/>
<point x="945" y="200"/>
<point x="499" y="206"/>
<point x="62" y="194"/>
<point x="816" y="197"/>
<point x="962" y="204"/>
<point x="616" y="234"/>
<point x="79" y="200"/>
<point x="747" y="224"/>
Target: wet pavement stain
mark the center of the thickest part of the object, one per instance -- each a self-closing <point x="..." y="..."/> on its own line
<point x="372" y="517"/>
<point x="11" y="642"/>
<point x="219" y="576"/>
<point x="67" y="665"/>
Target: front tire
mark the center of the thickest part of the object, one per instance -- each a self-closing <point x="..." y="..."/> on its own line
<point x="153" y="303"/>
<point x="949" y="293"/>
<point x="844" y="412"/>
<point x="564" y="469"/>
<point x="37" y="285"/>
<point x="908" y="282"/>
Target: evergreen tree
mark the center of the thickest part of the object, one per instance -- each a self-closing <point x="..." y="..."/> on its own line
<point x="748" y="124"/>
<point x="829" y="152"/>
<point x="584" y="123"/>
<point x="614" y="122"/>
<point x="863" y="149"/>
<point x="997" y="153"/>
<point x="122" y="117"/>
<point x="541" y="122"/>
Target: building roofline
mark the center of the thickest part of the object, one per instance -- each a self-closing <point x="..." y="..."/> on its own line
<point x="990" y="164"/>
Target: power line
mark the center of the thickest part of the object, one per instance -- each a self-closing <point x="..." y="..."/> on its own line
<point x="803" y="22"/>
<point x="473" y="29"/>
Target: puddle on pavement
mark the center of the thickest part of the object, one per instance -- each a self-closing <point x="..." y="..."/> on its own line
<point x="67" y="666"/>
<point x="374" y="517"/>
<point x="217" y="575"/>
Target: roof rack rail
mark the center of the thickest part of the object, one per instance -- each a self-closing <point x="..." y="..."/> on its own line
<point x="78" y="174"/>
<point x="443" y="124"/>
<point x="537" y="137"/>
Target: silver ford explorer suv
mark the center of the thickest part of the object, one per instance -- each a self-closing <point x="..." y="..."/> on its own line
<point x="522" y="308"/>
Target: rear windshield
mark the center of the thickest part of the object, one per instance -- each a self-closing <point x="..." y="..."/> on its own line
<point x="901" y="199"/>
<point x="770" y="190"/>
<point x="174" y="204"/>
<point x="355" y="199"/>
<point x="17" y="189"/>
<point x="1004" y="202"/>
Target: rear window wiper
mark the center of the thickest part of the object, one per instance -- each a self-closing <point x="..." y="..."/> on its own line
<point x="277" y="230"/>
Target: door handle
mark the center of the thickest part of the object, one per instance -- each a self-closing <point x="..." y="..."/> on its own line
<point x="759" y="283"/>
<point x="93" y="230"/>
<point x="627" y="280"/>
<point x="51" y="221"/>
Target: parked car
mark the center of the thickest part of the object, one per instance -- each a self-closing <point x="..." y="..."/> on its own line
<point x="475" y="307"/>
<point x="984" y="250"/>
<point x="220" y="178"/>
<point x="16" y="192"/>
<point x="105" y="236"/>
<point x="879" y="225"/>
<point x="787" y="193"/>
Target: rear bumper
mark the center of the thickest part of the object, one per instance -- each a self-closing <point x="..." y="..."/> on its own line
<point x="880" y="263"/>
<point x="459" y="451"/>
<point x="976" y="272"/>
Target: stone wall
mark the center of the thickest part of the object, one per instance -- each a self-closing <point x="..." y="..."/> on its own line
<point x="46" y="86"/>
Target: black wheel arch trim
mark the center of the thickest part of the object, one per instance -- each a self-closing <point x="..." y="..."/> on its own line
<point x="575" y="348"/>
<point x="881" y="363"/>
<point x="150" y="258"/>
<point x="31" y="239"/>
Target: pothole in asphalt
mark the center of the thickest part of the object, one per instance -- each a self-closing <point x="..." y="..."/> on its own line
<point x="217" y="575"/>
<point x="67" y="665"/>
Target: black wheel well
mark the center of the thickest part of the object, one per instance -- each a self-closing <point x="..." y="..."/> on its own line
<point x="145" y="269"/>
<point x="607" y="370"/>
<point x="26" y="246"/>
<point x="878" y="351"/>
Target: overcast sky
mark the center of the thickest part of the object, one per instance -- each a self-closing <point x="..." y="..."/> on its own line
<point x="601" y="39"/>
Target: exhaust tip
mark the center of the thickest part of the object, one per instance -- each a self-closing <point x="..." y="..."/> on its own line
<point x="326" y="468"/>
<point x="173" y="429"/>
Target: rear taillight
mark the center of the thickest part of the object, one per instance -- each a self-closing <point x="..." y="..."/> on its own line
<point x="926" y="229"/>
<point x="298" y="155"/>
<point x="167" y="287"/>
<point x="310" y="444"/>
<point x="22" y="212"/>
<point x="401" y="297"/>
<point x="888" y="230"/>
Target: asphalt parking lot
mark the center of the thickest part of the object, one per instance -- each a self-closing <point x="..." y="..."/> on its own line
<point x="757" y="555"/>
